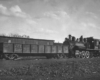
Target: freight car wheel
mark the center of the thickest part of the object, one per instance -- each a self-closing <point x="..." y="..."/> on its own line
<point x="59" y="56"/>
<point x="6" y="56"/>
<point x="13" y="56"/>
<point x="64" y="56"/>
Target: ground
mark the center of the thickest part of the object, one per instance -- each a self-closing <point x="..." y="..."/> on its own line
<point x="50" y="69"/>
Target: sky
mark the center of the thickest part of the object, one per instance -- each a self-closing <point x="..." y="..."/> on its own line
<point x="50" y="19"/>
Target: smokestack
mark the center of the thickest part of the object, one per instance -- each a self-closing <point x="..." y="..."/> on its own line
<point x="81" y="39"/>
<point x="85" y="40"/>
<point x="73" y="38"/>
<point x="70" y="37"/>
<point x="77" y="39"/>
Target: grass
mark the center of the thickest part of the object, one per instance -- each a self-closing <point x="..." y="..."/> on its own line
<point x="51" y="69"/>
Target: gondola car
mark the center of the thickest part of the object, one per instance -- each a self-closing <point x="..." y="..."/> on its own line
<point x="12" y="48"/>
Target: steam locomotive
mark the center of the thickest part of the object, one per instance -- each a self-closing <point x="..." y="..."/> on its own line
<point x="14" y="47"/>
<point x="83" y="47"/>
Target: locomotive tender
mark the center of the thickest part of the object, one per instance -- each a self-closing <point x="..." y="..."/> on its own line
<point x="13" y="47"/>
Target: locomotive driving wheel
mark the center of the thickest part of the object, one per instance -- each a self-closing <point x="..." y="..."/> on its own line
<point x="77" y="54"/>
<point x="83" y="54"/>
<point x="87" y="54"/>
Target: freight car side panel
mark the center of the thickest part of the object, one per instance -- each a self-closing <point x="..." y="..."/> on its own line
<point x="51" y="42"/>
<point x="54" y="49"/>
<point x="1" y="40"/>
<point x="34" y="48"/>
<point x="47" y="49"/>
<point x="41" y="48"/>
<point x="7" y="48"/>
<point x="43" y="42"/>
<point x="17" y="48"/>
<point x="26" y="48"/>
<point x="65" y="49"/>
<point x="60" y="49"/>
<point x="28" y="41"/>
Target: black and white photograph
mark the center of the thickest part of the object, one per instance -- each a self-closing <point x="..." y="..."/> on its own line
<point x="49" y="39"/>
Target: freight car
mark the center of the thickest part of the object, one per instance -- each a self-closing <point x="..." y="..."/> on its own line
<point x="13" y="47"/>
<point x="14" y="50"/>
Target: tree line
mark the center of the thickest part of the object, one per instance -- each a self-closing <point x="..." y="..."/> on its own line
<point x="15" y="35"/>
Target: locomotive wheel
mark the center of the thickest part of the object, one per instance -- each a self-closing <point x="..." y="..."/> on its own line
<point x="77" y="54"/>
<point x="13" y="56"/>
<point x="80" y="54"/>
<point x="87" y="54"/>
<point x="83" y="54"/>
